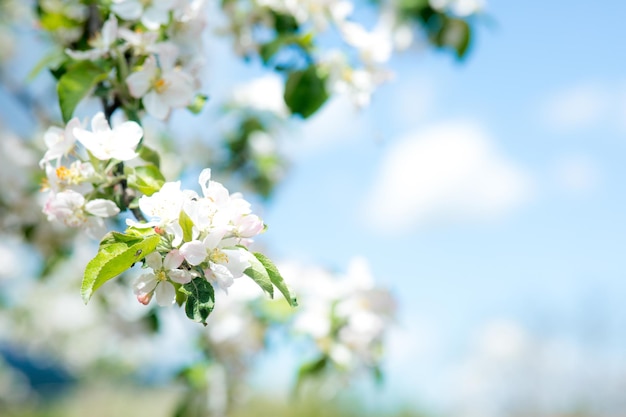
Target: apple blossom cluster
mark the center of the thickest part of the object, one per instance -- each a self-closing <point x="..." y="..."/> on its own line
<point x="181" y="236"/>
<point x="77" y="170"/>
<point x="347" y="316"/>
<point x="297" y="24"/>
<point x="144" y="55"/>
<point x="211" y="242"/>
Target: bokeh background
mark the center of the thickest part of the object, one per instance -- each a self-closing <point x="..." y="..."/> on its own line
<point x="487" y="194"/>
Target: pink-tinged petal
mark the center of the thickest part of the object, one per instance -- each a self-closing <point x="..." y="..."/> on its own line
<point x="140" y="82"/>
<point x="180" y="276"/>
<point x="102" y="208"/>
<point x="145" y="298"/>
<point x="194" y="252"/>
<point x="127" y="10"/>
<point x="173" y="259"/>
<point x="155" y="106"/>
<point x="165" y="294"/>
<point x="154" y="261"/>
<point x="99" y="124"/>
<point x="249" y="226"/>
<point x="144" y="284"/>
<point x="218" y="193"/>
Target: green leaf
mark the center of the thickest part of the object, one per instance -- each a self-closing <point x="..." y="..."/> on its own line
<point x="456" y="34"/>
<point x="55" y="21"/>
<point x="277" y="279"/>
<point x="305" y="91"/>
<point x="187" y="225"/>
<point x="198" y="103"/>
<point x="259" y="274"/>
<point x="76" y="83"/>
<point x="150" y="155"/>
<point x="200" y="299"/>
<point x="116" y="254"/>
<point x="269" y="49"/>
<point x="147" y="179"/>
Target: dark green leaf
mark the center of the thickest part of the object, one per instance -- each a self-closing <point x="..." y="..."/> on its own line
<point x="76" y="83"/>
<point x="277" y="279"/>
<point x="305" y="91"/>
<point x="200" y="299"/>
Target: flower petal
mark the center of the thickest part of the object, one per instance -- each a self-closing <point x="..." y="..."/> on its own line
<point x="102" y="208"/>
<point x="165" y="294"/>
<point x="144" y="284"/>
<point x="99" y="124"/>
<point x="140" y="82"/>
<point x="173" y="259"/>
<point x="180" y="276"/>
<point x="154" y="261"/>
<point x="155" y="106"/>
<point x="194" y="252"/>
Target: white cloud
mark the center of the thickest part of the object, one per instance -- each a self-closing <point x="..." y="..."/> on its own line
<point x="576" y="173"/>
<point x="513" y="371"/>
<point x="576" y="107"/>
<point x="450" y="171"/>
<point x="336" y="123"/>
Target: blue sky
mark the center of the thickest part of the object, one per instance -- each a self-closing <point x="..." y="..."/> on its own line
<point x="545" y="90"/>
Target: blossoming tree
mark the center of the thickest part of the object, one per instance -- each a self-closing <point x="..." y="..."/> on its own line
<point x="104" y="182"/>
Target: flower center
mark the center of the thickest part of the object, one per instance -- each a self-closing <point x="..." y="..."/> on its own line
<point x="161" y="85"/>
<point x="218" y="256"/>
<point x="63" y="173"/>
<point x="161" y="276"/>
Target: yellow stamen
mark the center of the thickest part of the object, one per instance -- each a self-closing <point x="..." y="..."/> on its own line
<point x="218" y="256"/>
<point x="160" y="85"/>
<point x="63" y="173"/>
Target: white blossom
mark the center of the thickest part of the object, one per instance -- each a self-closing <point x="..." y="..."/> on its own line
<point x="101" y="43"/>
<point x="59" y="141"/>
<point x="105" y="143"/>
<point x="152" y="13"/>
<point x="161" y="86"/>
<point x="157" y="282"/>
<point x="70" y="208"/>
